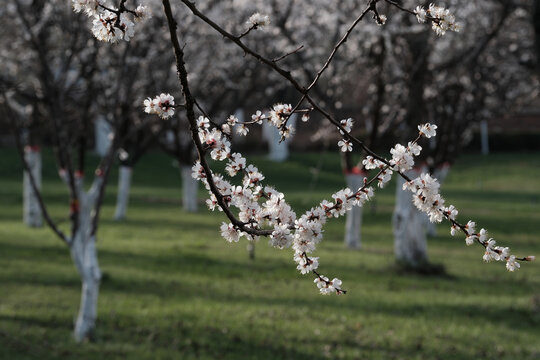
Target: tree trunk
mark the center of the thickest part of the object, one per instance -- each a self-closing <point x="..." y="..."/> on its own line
<point x="122" y="198"/>
<point x="84" y="255"/>
<point x="410" y="244"/>
<point x="484" y="137"/>
<point x="31" y="211"/>
<point x="251" y="250"/>
<point x="102" y="133"/>
<point x="353" y="224"/>
<point x="189" y="189"/>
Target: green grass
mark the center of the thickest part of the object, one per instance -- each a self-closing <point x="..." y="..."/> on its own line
<point x="173" y="289"/>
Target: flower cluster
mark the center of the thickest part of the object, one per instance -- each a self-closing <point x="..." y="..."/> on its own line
<point x="110" y="24"/>
<point x="328" y="287"/>
<point x="278" y="117"/>
<point x="402" y="157"/>
<point x="426" y="196"/>
<point x="441" y="19"/>
<point x="107" y="27"/>
<point x="258" y="21"/>
<point x="162" y="105"/>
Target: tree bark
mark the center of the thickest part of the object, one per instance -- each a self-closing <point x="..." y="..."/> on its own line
<point x="410" y="245"/>
<point x="189" y="189"/>
<point x="84" y="255"/>
<point x="31" y="210"/>
<point x="85" y="251"/>
<point x="102" y="133"/>
<point x="124" y="186"/>
<point x="353" y="223"/>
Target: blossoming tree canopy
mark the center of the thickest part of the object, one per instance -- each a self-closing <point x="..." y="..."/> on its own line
<point x="255" y="209"/>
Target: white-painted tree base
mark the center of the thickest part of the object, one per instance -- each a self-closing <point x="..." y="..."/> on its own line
<point x="190" y="188"/>
<point x="410" y="245"/>
<point x="32" y="216"/>
<point x="353" y="223"/>
<point x="84" y="255"/>
<point x="122" y="197"/>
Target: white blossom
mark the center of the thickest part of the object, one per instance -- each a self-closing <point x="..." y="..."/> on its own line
<point x="441" y="19"/>
<point x="327" y="287"/>
<point x="490" y="253"/>
<point x="421" y="14"/>
<point x="402" y="159"/>
<point x="279" y="114"/>
<point x="305" y="264"/>
<point x="345" y="145"/>
<point x="428" y="130"/>
<point x="258" y="20"/>
<point x="232" y="120"/>
<point x="203" y="122"/>
<point x="281" y="236"/>
<point x="142" y="13"/>
<point x="105" y="27"/>
<point x="512" y="264"/>
<point x="162" y="105"/>
<point x="258" y="117"/>
<point x="346" y="124"/>
<point x="371" y="163"/>
<point x="242" y="130"/>
<point x="381" y="19"/>
<point x="89" y="7"/>
<point x="229" y="233"/>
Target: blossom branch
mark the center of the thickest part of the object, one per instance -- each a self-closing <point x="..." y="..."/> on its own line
<point x="190" y="113"/>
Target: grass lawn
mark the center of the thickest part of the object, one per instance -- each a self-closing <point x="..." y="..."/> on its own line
<point x="173" y="289"/>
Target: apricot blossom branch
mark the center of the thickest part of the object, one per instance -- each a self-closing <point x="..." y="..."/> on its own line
<point x="262" y="210"/>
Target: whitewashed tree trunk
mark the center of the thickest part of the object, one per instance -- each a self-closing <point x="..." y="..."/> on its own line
<point x="189" y="189"/>
<point x="102" y="131"/>
<point x="440" y="173"/>
<point x="410" y="245"/>
<point x="353" y="223"/>
<point x="278" y="151"/>
<point x="31" y="211"/>
<point x="84" y="255"/>
<point x="122" y="197"/>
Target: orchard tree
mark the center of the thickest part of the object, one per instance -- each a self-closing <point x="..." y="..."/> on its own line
<point x="41" y="74"/>
<point x="57" y="72"/>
